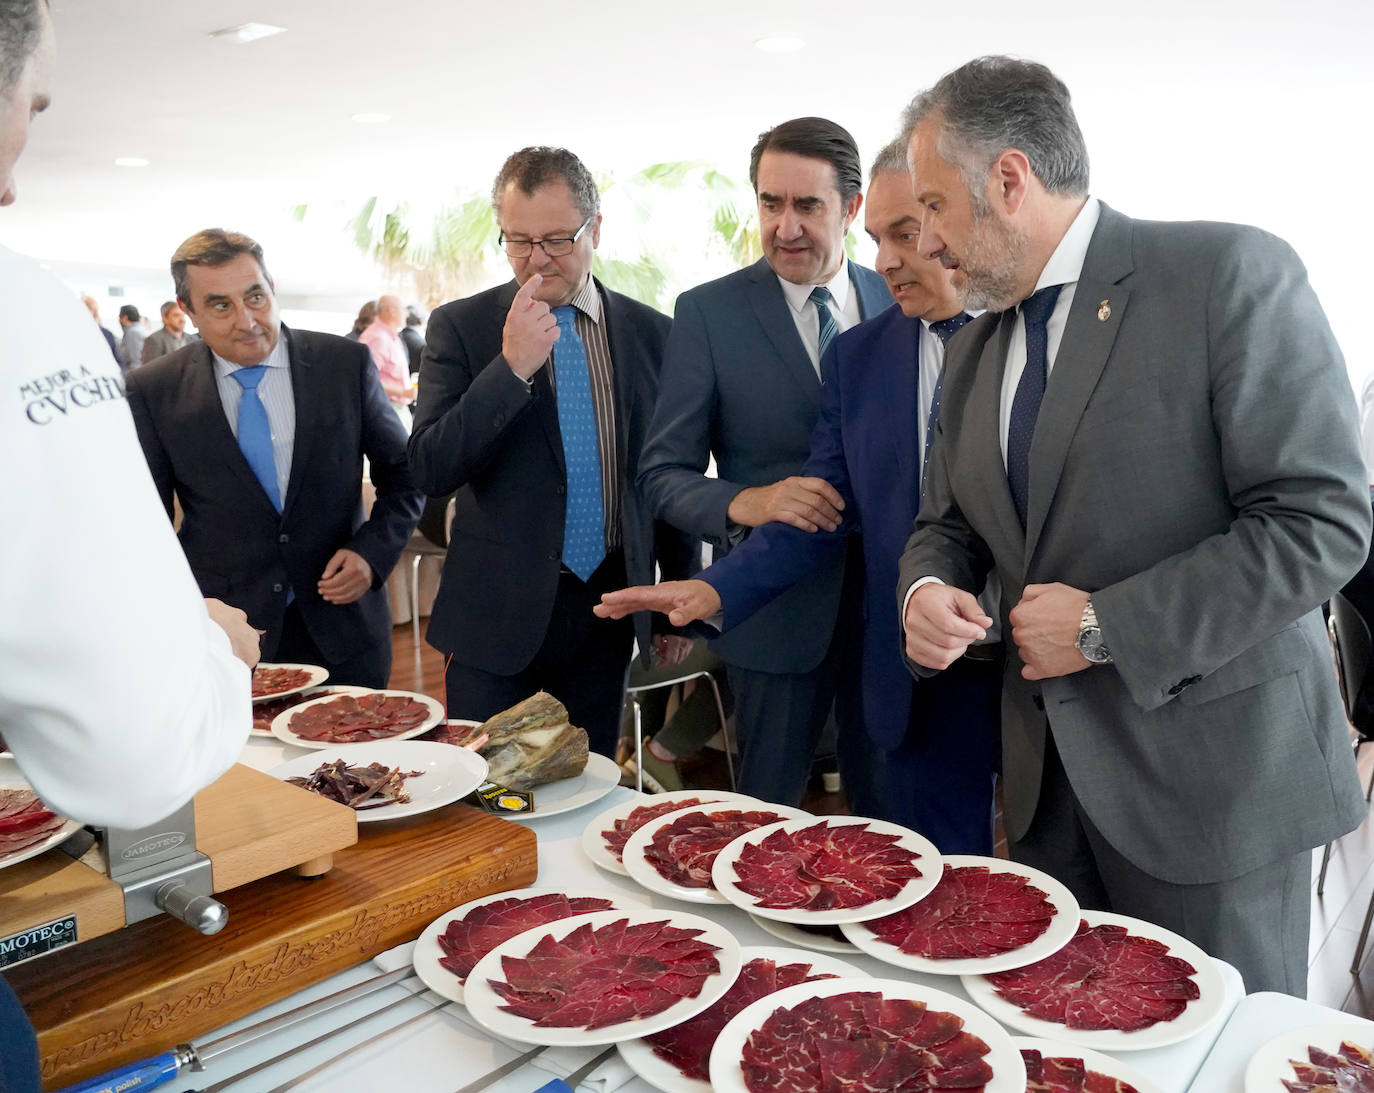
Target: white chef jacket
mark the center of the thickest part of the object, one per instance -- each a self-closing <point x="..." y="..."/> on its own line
<point x="119" y="697"/>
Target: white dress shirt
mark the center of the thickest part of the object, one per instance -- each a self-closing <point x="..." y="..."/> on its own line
<point x="844" y="310"/>
<point x="278" y="399"/>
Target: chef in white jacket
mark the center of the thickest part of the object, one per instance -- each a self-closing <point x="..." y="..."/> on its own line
<point x="122" y="691"/>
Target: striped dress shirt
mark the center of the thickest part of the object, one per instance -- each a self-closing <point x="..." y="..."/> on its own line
<point x="278" y="399"/>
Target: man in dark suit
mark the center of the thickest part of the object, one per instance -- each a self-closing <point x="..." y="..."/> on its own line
<point x="933" y="754"/>
<point x="741" y="382"/>
<point x="534" y="397"/>
<point x="260" y="432"/>
<point x="1182" y="488"/>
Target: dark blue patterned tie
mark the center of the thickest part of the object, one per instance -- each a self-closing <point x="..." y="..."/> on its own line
<point x="826" y="328"/>
<point x="944" y="329"/>
<point x="584" y="525"/>
<point x="1025" y="407"/>
<point x="255" y="432"/>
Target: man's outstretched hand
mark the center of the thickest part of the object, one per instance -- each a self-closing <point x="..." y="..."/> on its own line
<point x="681" y="601"/>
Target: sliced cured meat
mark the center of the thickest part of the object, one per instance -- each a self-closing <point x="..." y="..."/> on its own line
<point x="620" y="832"/>
<point x="24" y="821"/>
<point x="683" y="850"/>
<point x="1104" y="978"/>
<point x="1066" y="1074"/>
<point x="825" y="867"/>
<point x="860" y="1042"/>
<point x="270" y="681"/>
<point x="349" y="719"/>
<point x="972" y="912"/>
<point x="597" y="977"/>
<point x="1350" y="1070"/>
<point x="468" y="939"/>
<point x="688" y="1046"/>
<point x="265" y="712"/>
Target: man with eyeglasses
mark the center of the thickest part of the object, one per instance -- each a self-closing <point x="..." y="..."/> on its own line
<point x="534" y="399"/>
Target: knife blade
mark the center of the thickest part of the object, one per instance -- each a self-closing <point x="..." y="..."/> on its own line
<point x="578" y="1076"/>
<point x="152" y="1072"/>
<point x="501" y="1071"/>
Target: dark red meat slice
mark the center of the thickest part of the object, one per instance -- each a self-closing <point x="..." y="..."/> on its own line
<point x="594" y="978"/>
<point x="270" y="681"/>
<point x="622" y="829"/>
<point x="972" y="912"/>
<point x="824" y="867"/>
<point x="860" y="1042"/>
<point x="1105" y="978"/>
<point x="688" y="1046"/>
<point x="682" y="852"/>
<point x="24" y="821"/>
<point x="1351" y="1070"/>
<point x="349" y="719"/>
<point x="264" y="713"/>
<point x="466" y="940"/>
<point x="1066" y="1074"/>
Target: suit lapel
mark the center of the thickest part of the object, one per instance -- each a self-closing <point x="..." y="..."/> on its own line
<point x="874" y="297"/>
<point x="899" y="384"/>
<point x="308" y="409"/>
<point x="775" y="317"/>
<point x="545" y="408"/>
<point x="211" y="427"/>
<point x="622" y="376"/>
<point x="983" y="446"/>
<point x="1094" y="319"/>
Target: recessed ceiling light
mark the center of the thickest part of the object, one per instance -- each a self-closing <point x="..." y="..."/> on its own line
<point x="371" y="118"/>
<point x="246" y="32"/>
<point x="780" y="43"/>
<point x="131" y="161"/>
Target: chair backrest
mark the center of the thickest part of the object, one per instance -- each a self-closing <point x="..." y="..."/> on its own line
<point x="1354" y="652"/>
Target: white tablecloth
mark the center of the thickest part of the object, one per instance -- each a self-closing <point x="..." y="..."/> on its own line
<point x="441" y="1053"/>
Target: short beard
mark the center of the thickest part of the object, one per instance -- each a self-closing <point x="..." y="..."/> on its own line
<point x="991" y="260"/>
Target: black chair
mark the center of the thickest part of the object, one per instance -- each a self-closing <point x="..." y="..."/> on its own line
<point x="1354" y="649"/>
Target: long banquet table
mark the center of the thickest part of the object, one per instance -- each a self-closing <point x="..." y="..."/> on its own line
<point x="443" y="1051"/>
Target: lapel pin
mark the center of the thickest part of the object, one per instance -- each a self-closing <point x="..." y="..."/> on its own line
<point x="1104" y="311"/>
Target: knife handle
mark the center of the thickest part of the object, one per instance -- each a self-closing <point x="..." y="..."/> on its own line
<point x="145" y="1074"/>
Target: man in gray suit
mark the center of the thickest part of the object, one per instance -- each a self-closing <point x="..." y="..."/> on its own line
<point x="1151" y="438"/>
<point x="741" y="382"/>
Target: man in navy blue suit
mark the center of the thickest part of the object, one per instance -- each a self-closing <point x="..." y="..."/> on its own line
<point x="741" y="384"/>
<point x="932" y="746"/>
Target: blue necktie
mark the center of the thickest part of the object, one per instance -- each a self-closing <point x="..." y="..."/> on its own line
<point x="825" y="321"/>
<point x="1025" y="406"/>
<point x="255" y="432"/>
<point x="944" y="329"/>
<point x="584" y="525"/>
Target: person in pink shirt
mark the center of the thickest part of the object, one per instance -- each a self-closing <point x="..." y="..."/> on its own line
<point x="389" y="354"/>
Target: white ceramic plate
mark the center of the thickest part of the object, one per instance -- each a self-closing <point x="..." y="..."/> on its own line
<point x="598" y="778"/>
<point x="281" y="724"/>
<point x="1008" y="1071"/>
<point x="803" y="937"/>
<point x="639" y="1053"/>
<point x="594" y="842"/>
<point x="1270" y="1064"/>
<point x="326" y="689"/>
<point x="642" y="871"/>
<point x="428" y="952"/>
<point x="12" y="778"/>
<point x="317" y="676"/>
<point x="1062" y="927"/>
<point x="484" y="1004"/>
<point x="927" y="861"/>
<point x="1103" y="1064"/>
<point x="1198" y="1014"/>
<point x="447" y="774"/>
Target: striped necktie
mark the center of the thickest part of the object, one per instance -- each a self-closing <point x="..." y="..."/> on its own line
<point x="1030" y="391"/>
<point x="255" y="432"/>
<point x="826" y="328"/>
<point x="584" y="524"/>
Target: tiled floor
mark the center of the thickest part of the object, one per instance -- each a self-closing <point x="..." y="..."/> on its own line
<point x="1336" y="915"/>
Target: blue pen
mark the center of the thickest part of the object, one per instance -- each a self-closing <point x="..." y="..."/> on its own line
<point x="581" y="1074"/>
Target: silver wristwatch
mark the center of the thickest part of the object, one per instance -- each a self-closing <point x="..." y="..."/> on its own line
<point x="1089" y="641"/>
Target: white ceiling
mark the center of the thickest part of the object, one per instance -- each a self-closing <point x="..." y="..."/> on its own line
<point x="1237" y="109"/>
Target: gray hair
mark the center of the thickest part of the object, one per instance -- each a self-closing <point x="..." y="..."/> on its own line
<point x="995" y="103"/>
<point x="21" y="26"/>
<point x="531" y="168"/>
<point x="893" y="157"/>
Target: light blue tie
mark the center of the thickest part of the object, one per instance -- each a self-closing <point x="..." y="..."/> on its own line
<point x="255" y="432"/>
<point x="584" y="525"/>
<point x="826" y="328"/>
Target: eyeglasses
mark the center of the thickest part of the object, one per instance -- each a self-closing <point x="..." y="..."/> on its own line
<point x="554" y="248"/>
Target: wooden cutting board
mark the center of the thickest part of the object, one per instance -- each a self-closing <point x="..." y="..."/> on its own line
<point x="158" y="983"/>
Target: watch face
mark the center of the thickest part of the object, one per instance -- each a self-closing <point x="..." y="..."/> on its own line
<point x="1090" y="645"/>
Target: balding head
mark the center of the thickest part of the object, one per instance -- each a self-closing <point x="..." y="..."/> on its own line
<point x="391" y="312"/>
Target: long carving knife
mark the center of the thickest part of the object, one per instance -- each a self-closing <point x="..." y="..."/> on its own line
<point x="153" y="1072"/>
